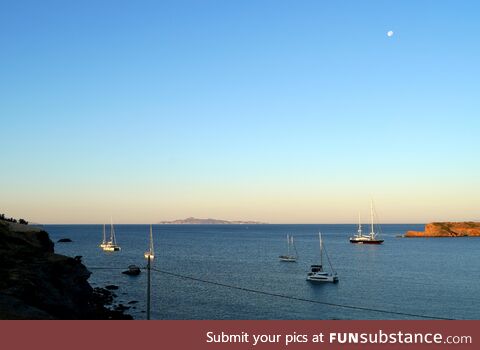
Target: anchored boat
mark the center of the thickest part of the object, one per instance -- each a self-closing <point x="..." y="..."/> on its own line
<point x="290" y="246"/>
<point x="372" y="237"/>
<point x="111" y="245"/>
<point x="317" y="272"/>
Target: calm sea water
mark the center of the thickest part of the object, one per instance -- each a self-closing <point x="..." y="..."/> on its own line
<point x="435" y="277"/>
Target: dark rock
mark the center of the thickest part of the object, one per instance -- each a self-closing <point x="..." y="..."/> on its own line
<point x="133" y="270"/>
<point x="36" y="283"/>
<point x="103" y="295"/>
<point x="111" y="287"/>
<point x="12" y="308"/>
<point x="64" y="240"/>
<point x="121" y="307"/>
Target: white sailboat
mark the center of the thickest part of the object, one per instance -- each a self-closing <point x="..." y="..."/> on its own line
<point x="150" y="253"/>
<point x="317" y="273"/>
<point x="111" y="245"/>
<point x="371" y="238"/>
<point x="289" y="257"/>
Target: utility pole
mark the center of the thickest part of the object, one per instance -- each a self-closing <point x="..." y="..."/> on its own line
<point x="148" y="287"/>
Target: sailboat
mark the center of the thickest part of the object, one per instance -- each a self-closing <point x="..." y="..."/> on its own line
<point x="317" y="273"/>
<point x="150" y="253"/>
<point x="371" y="238"/>
<point x="111" y="245"/>
<point x="289" y="257"/>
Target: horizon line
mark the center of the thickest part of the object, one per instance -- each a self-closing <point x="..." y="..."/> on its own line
<point x="246" y="224"/>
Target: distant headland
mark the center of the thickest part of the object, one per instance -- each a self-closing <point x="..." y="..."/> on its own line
<point x="196" y="221"/>
<point x="448" y="229"/>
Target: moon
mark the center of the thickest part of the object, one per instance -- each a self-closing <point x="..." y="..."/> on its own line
<point x="390" y="33"/>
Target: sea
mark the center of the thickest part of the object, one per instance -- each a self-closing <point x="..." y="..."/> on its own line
<point x="226" y="272"/>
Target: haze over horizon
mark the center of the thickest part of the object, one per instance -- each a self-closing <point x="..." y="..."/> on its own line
<point x="268" y="111"/>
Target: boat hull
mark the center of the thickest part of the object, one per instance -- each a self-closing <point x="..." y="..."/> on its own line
<point x="286" y="258"/>
<point x="323" y="279"/>
<point x="111" y="249"/>
<point x="365" y="241"/>
<point x="318" y="275"/>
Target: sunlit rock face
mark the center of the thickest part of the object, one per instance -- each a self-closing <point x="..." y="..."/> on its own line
<point x="448" y="229"/>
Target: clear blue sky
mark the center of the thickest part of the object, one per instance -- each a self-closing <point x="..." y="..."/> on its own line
<point x="280" y="111"/>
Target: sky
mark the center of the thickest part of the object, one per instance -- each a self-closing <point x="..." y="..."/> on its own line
<point x="276" y="111"/>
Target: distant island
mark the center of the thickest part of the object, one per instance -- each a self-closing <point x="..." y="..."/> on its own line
<point x="448" y="229"/>
<point x="196" y="221"/>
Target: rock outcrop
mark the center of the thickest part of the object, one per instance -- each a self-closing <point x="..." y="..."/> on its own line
<point x="448" y="229"/>
<point x="36" y="283"/>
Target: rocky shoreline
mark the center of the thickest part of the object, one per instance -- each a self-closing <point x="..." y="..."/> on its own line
<point x="448" y="229"/>
<point x="36" y="283"/>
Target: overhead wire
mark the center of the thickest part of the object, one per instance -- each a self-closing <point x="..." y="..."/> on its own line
<point x="352" y="307"/>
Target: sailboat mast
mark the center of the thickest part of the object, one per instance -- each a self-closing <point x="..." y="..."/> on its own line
<point x="104" y="235"/>
<point x="151" y="240"/>
<point x="112" y="232"/>
<point x="321" y="248"/>
<point x="288" y="245"/>
<point x="371" y="217"/>
<point x="294" y="248"/>
<point x="359" y="225"/>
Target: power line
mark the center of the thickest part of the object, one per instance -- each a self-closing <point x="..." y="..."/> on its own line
<point x="300" y="299"/>
<point x="250" y="290"/>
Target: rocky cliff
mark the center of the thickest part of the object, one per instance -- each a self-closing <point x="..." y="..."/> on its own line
<point x="36" y="283"/>
<point x="448" y="229"/>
